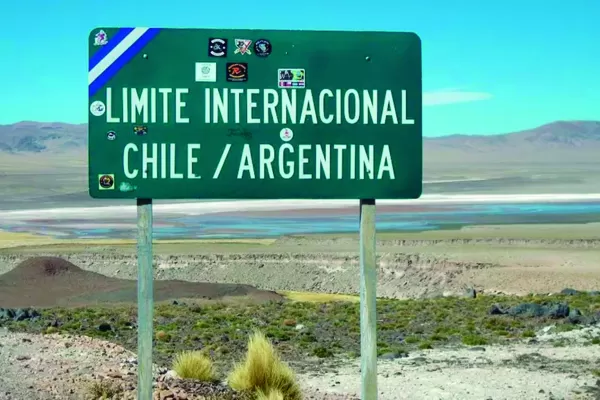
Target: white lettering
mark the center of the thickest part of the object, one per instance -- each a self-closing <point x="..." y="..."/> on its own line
<point x="325" y="120"/>
<point x="405" y="120"/>
<point x="354" y="119"/>
<point x="246" y="163"/>
<point x="192" y="160"/>
<point x="266" y="162"/>
<point x="386" y="164"/>
<point x="129" y="174"/>
<point x="290" y="164"/>
<point x="150" y="160"/>
<point x="165" y="92"/>
<point x="139" y="105"/>
<point x="251" y="106"/>
<point x="308" y="108"/>
<point x="179" y="106"/>
<point x="303" y="160"/>
<point x="172" y="158"/>
<point x="109" y="104"/>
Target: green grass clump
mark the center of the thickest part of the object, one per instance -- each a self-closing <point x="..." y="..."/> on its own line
<point x="322" y="352"/>
<point x="262" y="370"/>
<point x="474" y="340"/>
<point x="194" y="365"/>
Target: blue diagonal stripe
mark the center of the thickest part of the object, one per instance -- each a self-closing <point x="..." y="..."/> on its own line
<point x="122" y="61"/>
<point x="112" y="43"/>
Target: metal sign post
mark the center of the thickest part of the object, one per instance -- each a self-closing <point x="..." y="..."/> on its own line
<point x="368" y="301"/>
<point x="145" y="298"/>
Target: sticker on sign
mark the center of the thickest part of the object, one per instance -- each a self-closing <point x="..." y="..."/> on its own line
<point x="206" y="72"/>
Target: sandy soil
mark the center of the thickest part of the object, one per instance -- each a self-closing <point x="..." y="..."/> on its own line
<point x="61" y="367"/>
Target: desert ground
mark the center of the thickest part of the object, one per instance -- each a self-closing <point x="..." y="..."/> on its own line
<point x="438" y="338"/>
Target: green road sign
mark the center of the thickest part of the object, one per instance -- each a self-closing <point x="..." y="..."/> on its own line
<point x="254" y="114"/>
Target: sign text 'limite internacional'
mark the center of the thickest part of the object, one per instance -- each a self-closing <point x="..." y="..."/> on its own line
<point x="254" y="114"/>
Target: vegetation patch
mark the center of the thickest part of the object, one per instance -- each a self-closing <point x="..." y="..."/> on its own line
<point x="301" y="330"/>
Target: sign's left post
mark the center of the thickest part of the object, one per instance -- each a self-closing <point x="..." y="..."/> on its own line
<point x="145" y="296"/>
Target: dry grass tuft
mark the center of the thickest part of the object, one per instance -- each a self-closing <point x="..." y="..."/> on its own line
<point x="263" y="371"/>
<point x="100" y="390"/>
<point x="194" y="365"/>
<point x="273" y="394"/>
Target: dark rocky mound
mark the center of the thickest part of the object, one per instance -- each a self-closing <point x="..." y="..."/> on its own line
<point x="42" y="268"/>
<point x="53" y="281"/>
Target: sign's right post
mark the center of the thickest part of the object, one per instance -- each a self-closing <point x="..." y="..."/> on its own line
<point x="368" y="301"/>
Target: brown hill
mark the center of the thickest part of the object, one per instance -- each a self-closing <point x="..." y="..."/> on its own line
<point x="557" y="141"/>
<point x="53" y="281"/>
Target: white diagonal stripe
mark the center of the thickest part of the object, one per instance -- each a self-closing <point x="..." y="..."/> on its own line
<point x="115" y="53"/>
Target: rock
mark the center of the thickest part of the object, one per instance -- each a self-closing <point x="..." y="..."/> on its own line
<point x="104" y="327"/>
<point x="393" y="355"/>
<point x="6" y="313"/>
<point x="22" y="314"/>
<point x="575" y="317"/>
<point x="558" y="311"/>
<point x="476" y="348"/>
<point x="496" y="309"/>
<point x="299" y="327"/>
<point x="527" y="310"/>
<point x="537" y="310"/>
<point x="569" y="292"/>
<point x="171" y="374"/>
<point x="166" y="395"/>
<point x="470" y="293"/>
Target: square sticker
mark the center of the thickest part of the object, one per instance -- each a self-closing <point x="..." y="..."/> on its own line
<point x="106" y="182"/>
<point x="237" y="72"/>
<point x="217" y="47"/>
<point x="206" y="72"/>
<point x="291" y="78"/>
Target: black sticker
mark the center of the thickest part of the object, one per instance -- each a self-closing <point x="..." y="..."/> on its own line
<point x="106" y="181"/>
<point x="237" y="72"/>
<point x="217" y="47"/>
<point x="262" y="47"/>
<point x="140" y="130"/>
<point x="111" y="135"/>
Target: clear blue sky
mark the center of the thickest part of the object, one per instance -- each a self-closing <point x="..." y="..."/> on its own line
<point x="519" y="63"/>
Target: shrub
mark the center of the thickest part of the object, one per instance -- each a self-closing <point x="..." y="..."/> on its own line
<point x="194" y="365"/>
<point x="163" y="336"/>
<point x="474" y="340"/>
<point x="103" y="390"/>
<point x="263" y="371"/>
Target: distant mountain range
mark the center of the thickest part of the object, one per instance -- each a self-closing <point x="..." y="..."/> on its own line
<point x="578" y="140"/>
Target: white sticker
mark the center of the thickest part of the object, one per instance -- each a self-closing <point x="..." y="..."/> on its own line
<point x="206" y="72"/>
<point x="97" y="108"/>
<point x="286" y="134"/>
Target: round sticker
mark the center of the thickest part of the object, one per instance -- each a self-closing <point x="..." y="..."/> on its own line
<point x="97" y="108"/>
<point x="262" y="47"/>
<point x="286" y="134"/>
<point x="111" y="135"/>
<point x="107" y="181"/>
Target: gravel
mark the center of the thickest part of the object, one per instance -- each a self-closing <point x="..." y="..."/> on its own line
<point x="59" y="367"/>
